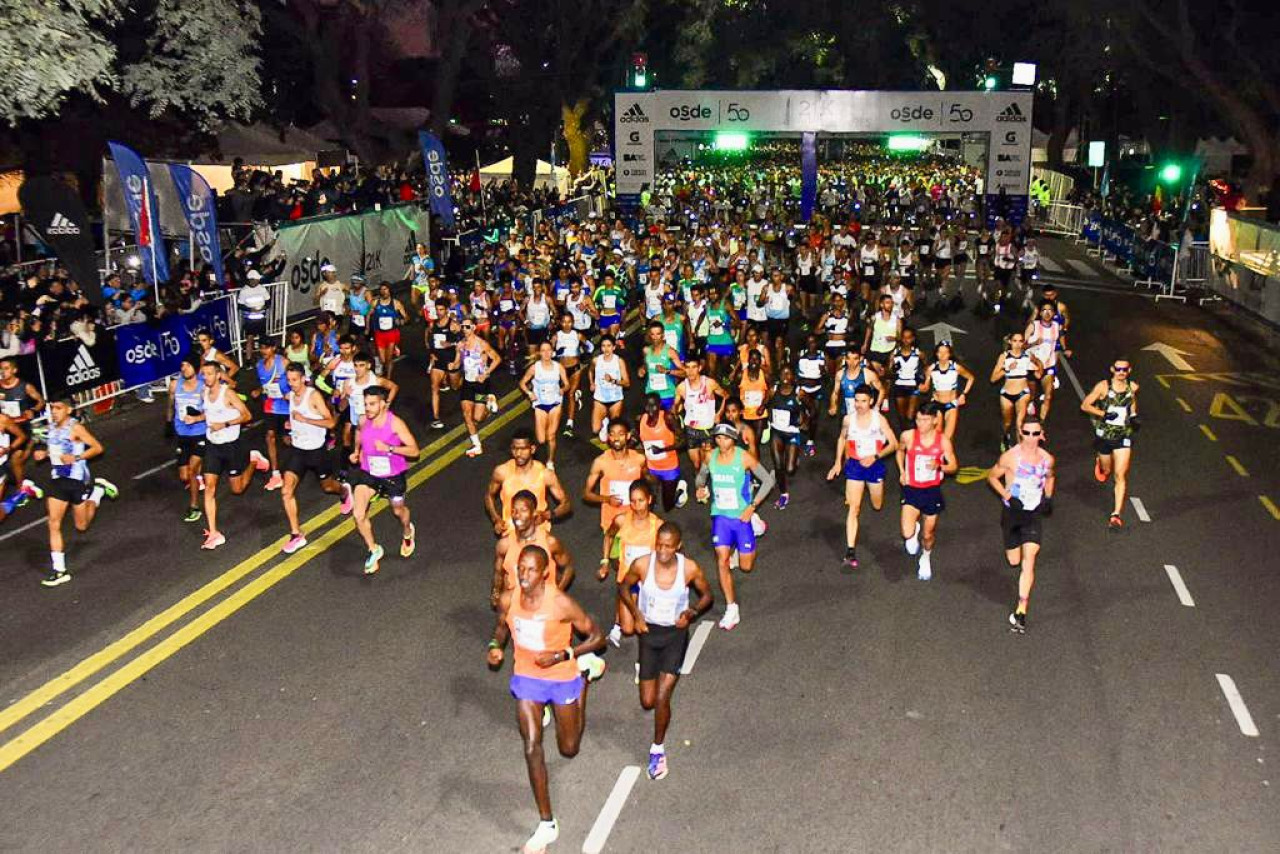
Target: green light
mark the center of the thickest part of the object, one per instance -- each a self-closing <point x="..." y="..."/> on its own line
<point x="989" y="83"/>
<point x="732" y="141"/>
<point x="1171" y="173"/>
<point x="908" y="143"/>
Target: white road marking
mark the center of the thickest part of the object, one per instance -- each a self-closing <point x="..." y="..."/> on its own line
<point x="612" y="808"/>
<point x="1050" y="265"/>
<point x="1071" y="377"/>
<point x="1172" y="354"/>
<point x="25" y="527"/>
<point x="1082" y="268"/>
<point x="154" y="469"/>
<point x="1243" y="719"/>
<point x="695" y="647"/>
<point x="1139" y="508"/>
<point x="1175" y="578"/>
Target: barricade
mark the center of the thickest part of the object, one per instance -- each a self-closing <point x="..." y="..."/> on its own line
<point x="1062" y="218"/>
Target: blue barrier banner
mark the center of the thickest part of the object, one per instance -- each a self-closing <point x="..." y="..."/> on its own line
<point x="438" y="189"/>
<point x="150" y="351"/>
<point x="1093" y="228"/>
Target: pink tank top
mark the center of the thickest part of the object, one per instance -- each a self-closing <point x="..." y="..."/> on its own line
<point x="375" y="462"/>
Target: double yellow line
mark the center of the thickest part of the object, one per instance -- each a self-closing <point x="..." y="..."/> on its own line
<point x="70" y="712"/>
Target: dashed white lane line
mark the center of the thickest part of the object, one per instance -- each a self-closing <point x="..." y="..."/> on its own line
<point x="1050" y="265"/>
<point x="1071" y="376"/>
<point x="154" y="469"/>
<point x="27" y="527"/>
<point x="1244" y="720"/>
<point x="612" y="808"/>
<point x="695" y="646"/>
<point x="1140" y="509"/>
<point x="1082" y="267"/>
<point x="1175" y="578"/>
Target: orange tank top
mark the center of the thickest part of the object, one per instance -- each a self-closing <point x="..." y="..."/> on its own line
<point x="634" y="540"/>
<point x="514" y="547"/>
<point x="616" y="480"/>
<point x="752" y="393"/>
<point x="534" y="631"/>
<point x="534" y="479"/>
<point x="658" y="436"/>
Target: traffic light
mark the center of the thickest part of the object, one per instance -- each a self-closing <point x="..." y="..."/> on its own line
<point x="639" y="71"/>
<point x="990" y="82"/>
<point x="1171" y="173"/>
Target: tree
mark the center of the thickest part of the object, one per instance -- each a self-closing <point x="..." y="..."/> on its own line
<point x="52" y="51"/>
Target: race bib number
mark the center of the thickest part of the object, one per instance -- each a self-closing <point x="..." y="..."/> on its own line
<point x="657" y="381"/>
<point x="506" y="305"/>
<point x="924" y="468"/>
<point x="620" y="489"/>
<point x="781" y="419"/>
<point x="11" y="408"/>
<point x="753" y="399"/>
<point x="726" y="499"/>
<point x="983" y="249"/>
<point x="273" y="391"/>
<point x="1118" y="415"/>
<point x="864" y="447"/>
<point x="529" y="634"/>
<point x="439" y="340"/>
<point x="386" y="323"/>
<point x="380" y="466"/>
<point x="609" y="301"/>
<point x="924" y="250"/>
<point x="673" y="338"/>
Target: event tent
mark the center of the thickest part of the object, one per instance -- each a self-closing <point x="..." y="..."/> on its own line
<point x="546" y="173"/>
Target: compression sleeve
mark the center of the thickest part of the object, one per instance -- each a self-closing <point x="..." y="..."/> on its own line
<point x="704" y="477"/>
<point x="767" y="481"/>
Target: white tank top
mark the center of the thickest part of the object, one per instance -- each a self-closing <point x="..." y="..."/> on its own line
<point x="546" y="384"/>
<point x="660" y="606"/>
<point x="538" y="312"/>
<point x="306" y="437"/>
<point x="944" y="380"/>
<point x="568" y="345"/>
<point x="699" y="406"/>
<point x="217" y="410"/>
<point x="884" y="332"/>
<point x="355" y="397"/>
<point x="865" y="441"/>
<point x="1046" y="346"/>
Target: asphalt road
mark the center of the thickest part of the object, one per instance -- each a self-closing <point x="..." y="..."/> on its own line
<point x="171" y="699"/>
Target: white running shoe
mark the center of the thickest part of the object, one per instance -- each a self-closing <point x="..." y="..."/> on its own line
<point x="682" y="493"/>
<point x="912" y="544"/>
<point x="615" y="635"/>
<point x="731" y="617"/>
<point x="547" y="832"/>
<point x="925" y="571"/>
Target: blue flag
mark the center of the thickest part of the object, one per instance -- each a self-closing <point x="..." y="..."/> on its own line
<point x="808" y="174"/>
<point x="438" y="188"/>
<point x="199" y="208"/>
<point x="139" y="197"/>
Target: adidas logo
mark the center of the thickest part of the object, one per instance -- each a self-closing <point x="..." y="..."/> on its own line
<point x="83" y="368"/>
<point x="61" y="225"/>
<point x="633" y="115"/>
<point x="1011" y="113"/>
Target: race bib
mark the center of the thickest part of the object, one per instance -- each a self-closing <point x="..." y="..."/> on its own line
<point x="1118" y="415"/>
<point x="380" y="466"/>
<point x="529" y="634"/>
<point x="610" y="301"/>
<point x="653" y="450"/>
<point x="634" y="553"/>
<point x="439" y="340"/>
<point x="11" y="408"/>
<point x="865" y="447"/>
<point x="753" y="399"/>
<point x="868" y="270"/>
<point x="506" y="305"/>
<point x="673" y="338"/>
<point x="924" y="468"/>
<point x="924" y="250"/>
<point x="620" y="489"/>
<point x="781" y="419"/>
<point x="983" y="249"/>
<point x="273" y="391"/>
<point x="357" y="320"/>
<point x="657" y="381"/>
<point x="726" y="499"/>
<point x="386" y="323"/>
<point x="662" y="610"/>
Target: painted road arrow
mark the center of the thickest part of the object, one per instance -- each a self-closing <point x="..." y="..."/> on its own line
<point x="1173" y="354"/>
<point x="943" y="331"/>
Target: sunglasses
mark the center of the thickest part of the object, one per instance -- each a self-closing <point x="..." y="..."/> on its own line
<point x="1033" y="432"/>
<point x="1121" y="370"/>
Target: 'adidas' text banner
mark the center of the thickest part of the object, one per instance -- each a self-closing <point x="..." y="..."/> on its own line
<point x="59" y="218"/>
<point x="72" y="366"/>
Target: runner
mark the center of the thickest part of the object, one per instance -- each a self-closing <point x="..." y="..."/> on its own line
<point x="383" y="446"/>
<point x="68" y="446"/>
<point x="700" y="403"/>
<point x="352" y="394"/>
<point x="661" y="366"/>
<point x="942" y="383"/>
<point x="526" y="531"/>
<point x="862" y="445"/>
<point x="539" y="317"/>
<point x="1024" y="479"/>
<point x="442" y="336"/>
<point x="1113" y="406"/>
<point x="545" y="383"/>
<point x="272" y="390"/>
<point x="754" y="389"/>
<point x="609" y="480"/>
<point x="387" y="315"/>
<point x="659" y="433"/>
<point x="184" y="424"/>
<point x="542" y="621"/>
<point x="224" y="454"/>
<point x="478" y="361"/>
<point x="1014" y="369"/>
<point x="12" y="439"/>
<point x="661" y="618"/>
<point x="907" y="374"/>
<point x="21" y="402"/>
<point x="522" y="472"/>
<point x="570" y="346"/>
<point x="925" y="456"/>
<point x="630" y="535"/>
<point x="836" y="326"/>
<point x="610" y="301"/>
<point x="609" y="377"/>
<point x="1044" y="341"/>
<point x="882" y="335"/>
<point x="853" y="376"/>
<point x="421" y="266"/>
<point x="725" y="481"/>
<point x="309" y="423"/>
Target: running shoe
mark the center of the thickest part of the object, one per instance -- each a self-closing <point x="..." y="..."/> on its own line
<point x="783" y="500"/>
<point x="1098" y="474"/>
<point x="372" y="562"/>
<point x="810" y="450"/>
<point x="348" y="500"/>
<point x="474" y="451"/>
<point x="193" y="515"/>
<point x="492" y="402"/>
<point x="30" y="490"/>
<point x="615" y="635"/>
<point x="274" y="482"/>
<point x="591" y="666"/>
<point x="1018" y="623"/>
<point x="731" y="617"/>
<point x="912" y="544"/>
<point x="657" y="766"/>
<point x="547" y="832"/>
<point x="567" y="431"/>
<point x="409" y="543"/>
<point x="1115" y="523"/>
<point x="54" y="578"/>
<point x="850" y="559"/>
<point x="260" y="462"/>
<point x="577" y="399"/>
<point x="108" y="488"/>
<point x="546" y="715"/>
<point x="212" y="541"/>
<point x="758" y="525"/>
<point x="296" y="541"/>
<point x="924" y="571"/>
<point x="437" y="424"/>
<point x="682" y="493"/>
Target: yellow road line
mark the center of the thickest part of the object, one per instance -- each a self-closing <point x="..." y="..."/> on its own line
<point x="76" y="708"/>
<point x="1271" y="507"/>
<point x="1235" y="464"/>
<point x="41" y="696"/>
<point x="1186" y="407"/>
<point x="1208" y="434"/>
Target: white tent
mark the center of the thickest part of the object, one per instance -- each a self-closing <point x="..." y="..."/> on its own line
<point x="546" y="174"/>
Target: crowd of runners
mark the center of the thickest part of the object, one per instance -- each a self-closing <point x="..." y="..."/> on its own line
<point x="707" y="346"/>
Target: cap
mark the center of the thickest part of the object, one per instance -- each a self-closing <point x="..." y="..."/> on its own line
<point x="254" y="275"/>
<point x="725" y="429"/>
<point x="328" y="268"/>
<point x="757" y="268"/>
<point x="357" y="278"/>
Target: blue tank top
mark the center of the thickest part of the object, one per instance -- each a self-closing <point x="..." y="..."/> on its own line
<point x="358" y="304"/>
<point x="849" y="386"/>
<point x="275" y="386"/>
<point x="385" y="317"/>
<point x="322" y="344"/>
<point x="182" y="400"/>
<point x="59" y="443"/>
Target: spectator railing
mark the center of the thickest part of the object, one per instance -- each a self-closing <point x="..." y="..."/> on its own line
<point x="1062" y="218"/>
<point x="1243" y="267"/>
<point x="471" y="242"/>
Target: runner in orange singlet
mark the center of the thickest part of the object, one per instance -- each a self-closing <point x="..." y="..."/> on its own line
<point x="523" y="472"/>
<point x="524" y="532"/>
<point x="660" y="437"/>
<point x="612" y="473"/>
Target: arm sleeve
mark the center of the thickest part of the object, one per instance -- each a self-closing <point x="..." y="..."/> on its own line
<point x="766" y="478"/>
<point x="704" y="477"/>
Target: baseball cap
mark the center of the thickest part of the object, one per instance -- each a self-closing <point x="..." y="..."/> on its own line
<point x="725" y="429"/>
<point x="328" y="268"/>
<point x="253" y="275"/>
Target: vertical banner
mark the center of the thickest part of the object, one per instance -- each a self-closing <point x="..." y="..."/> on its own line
<point x="58" y="216"/>
<point x="141" y="202"/>
<point x="808" y="174"/>
<point x="198" y="207"/>
<point x="437" y="177"/>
